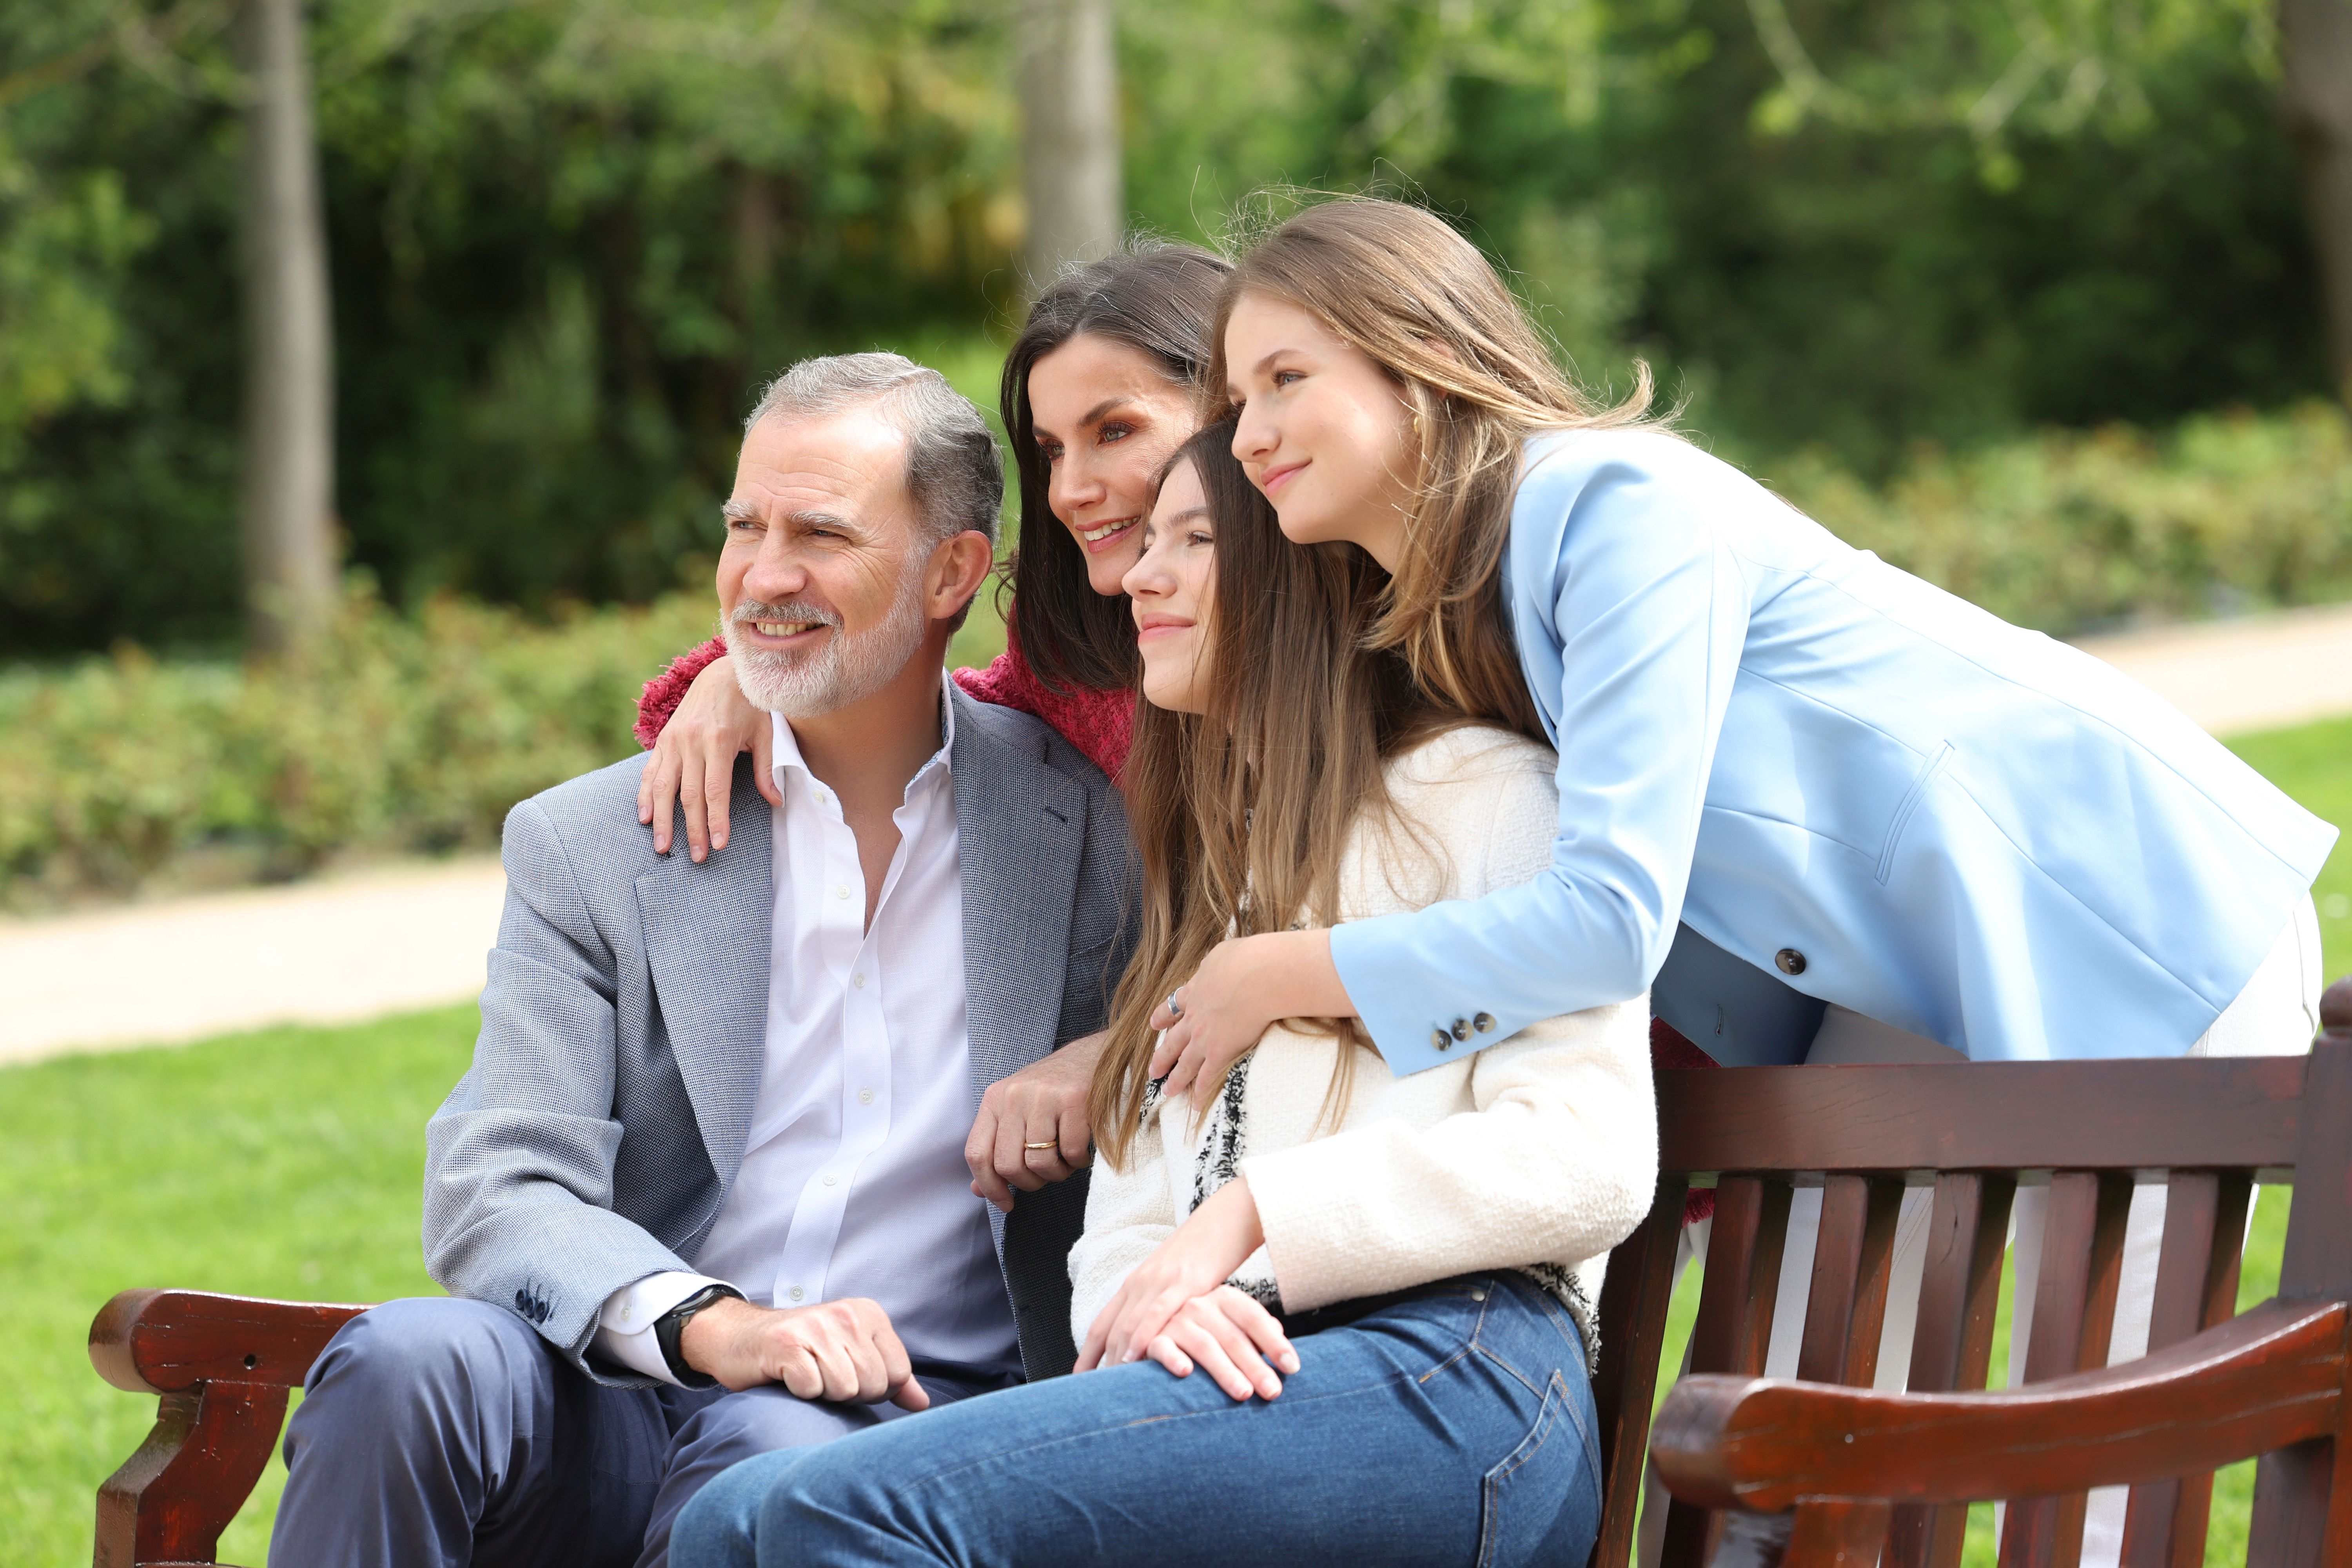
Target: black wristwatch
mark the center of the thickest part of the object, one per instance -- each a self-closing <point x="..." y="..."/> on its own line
<point x="670" y="1327"/>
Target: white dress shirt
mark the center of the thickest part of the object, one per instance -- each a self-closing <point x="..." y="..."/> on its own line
<point x="853" y="1181"/>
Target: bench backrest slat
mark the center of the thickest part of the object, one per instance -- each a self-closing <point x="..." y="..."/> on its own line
<point x="2073" y="1317"/>
<point x="1634" y="1295"/>
<point x="2244" y="1112"/>
<point x="2302" y="1495"/>
<point x="1853" y="1263"/>
<point x="2196" y="1287"/>
<point x="1951" y="1345"/>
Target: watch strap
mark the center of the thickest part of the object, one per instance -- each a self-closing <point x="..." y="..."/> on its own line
<point x="670" y="1328"/>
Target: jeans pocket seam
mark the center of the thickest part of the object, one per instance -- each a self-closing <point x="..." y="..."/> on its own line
<point x="1556" y="1401"/>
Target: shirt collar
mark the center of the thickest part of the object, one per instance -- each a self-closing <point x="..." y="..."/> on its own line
<point x="788" y="745"/>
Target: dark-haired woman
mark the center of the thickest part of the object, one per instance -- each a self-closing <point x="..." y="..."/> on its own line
<point x="1343" y="1316"/>
<point x="1098" y="389"/>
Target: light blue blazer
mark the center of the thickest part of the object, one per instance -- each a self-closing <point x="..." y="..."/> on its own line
<point x="1843" y="785"/>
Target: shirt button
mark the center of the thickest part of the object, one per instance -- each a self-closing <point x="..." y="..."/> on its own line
<point x="1484" y="1023"/>
<point x="1441" y="1039"/>
<point x="796" y="1292"/>
<point x="1461" y="1028"/>
<point x="624" y="1314"/>
<point x="865" y="1097"/>
<point x="841" y="890"/>
<point x="1790" y="961"/>
<point x="859" y="980"/>
<point x="828" y="1180"/>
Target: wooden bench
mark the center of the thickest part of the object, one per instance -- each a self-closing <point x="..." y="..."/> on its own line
<point x="1827" y="1474"/>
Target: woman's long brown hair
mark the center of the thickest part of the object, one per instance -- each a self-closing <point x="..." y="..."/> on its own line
<point x="1398" y="283"/>
<point x="1240" y="813"/>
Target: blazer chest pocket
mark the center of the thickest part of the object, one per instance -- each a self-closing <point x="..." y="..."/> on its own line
<point x="1929" y="771"/>
<point x="1783" y="757"/>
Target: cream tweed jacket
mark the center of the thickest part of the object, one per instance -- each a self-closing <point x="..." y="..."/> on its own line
<point x="1538" y="1154"/>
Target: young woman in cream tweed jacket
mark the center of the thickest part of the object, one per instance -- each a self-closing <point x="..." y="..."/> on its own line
<point x="1537" y="1154"/>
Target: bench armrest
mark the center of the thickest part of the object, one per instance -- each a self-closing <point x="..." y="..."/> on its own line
<point x="2271" y="1377"/>
<point x="222" y="1366"/>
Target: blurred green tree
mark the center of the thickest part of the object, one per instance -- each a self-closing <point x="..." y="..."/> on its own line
<point x="2316" y="36"/>
<point x="568" y="237"/>
<point x="286" y="464"/>
<point x="1075" y="205"/>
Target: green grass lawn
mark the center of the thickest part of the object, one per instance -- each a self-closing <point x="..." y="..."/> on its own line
<point x="288" y="1162"/>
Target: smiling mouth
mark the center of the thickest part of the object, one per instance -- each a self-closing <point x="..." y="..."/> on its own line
<point x="1096" y="537"/>
<point x="784" y="628"/>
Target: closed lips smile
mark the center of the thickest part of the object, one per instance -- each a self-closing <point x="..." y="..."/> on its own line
<point x="1099" y="535"/>
<point x="1273" y="478"/>
<point x="1151" y="626"/>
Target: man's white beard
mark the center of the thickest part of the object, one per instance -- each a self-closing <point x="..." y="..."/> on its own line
<point x="846" y="670"/>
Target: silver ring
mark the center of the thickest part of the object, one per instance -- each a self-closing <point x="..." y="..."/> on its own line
<point x="1175" y="1008"/>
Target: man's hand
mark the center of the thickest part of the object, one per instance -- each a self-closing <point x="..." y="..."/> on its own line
<point x="842" y="1351"/>
<point x="1044" y="1102"/>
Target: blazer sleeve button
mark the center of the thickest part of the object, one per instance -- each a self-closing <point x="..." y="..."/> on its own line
<point x="1461" y="1028"/>
<point x="1790" y="961"/>
<point x="1484" y="1023"/>
<point x="1441" y="1039"/>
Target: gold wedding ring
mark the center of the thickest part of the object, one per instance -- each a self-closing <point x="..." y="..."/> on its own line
<point x="1048" y="1143"/>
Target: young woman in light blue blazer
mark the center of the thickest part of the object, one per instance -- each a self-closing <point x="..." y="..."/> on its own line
<point x="1821" y="809"/>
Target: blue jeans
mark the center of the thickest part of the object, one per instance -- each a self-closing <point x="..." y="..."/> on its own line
<point x="438" y="1433"/>
<point x="1452" y="1424"/>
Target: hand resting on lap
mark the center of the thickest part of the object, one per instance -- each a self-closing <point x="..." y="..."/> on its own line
<point x="1177" y="1308"/>
<point x="842" y="1350"/>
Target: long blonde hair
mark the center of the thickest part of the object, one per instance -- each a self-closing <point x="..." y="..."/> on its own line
<point x="1241" y="815"/>
<point x="1400" y="285"/>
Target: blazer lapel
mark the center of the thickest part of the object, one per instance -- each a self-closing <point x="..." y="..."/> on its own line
<point x="1020" y="834"/>
<point x="706" y="941"/>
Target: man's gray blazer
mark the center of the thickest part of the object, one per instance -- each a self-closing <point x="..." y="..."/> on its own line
<point x="625" y="1022"/>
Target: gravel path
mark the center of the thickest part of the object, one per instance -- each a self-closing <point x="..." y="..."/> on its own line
<point x="2264" y="672"/>
<point x="362" y="946"/>
<point x="330" y="952"/>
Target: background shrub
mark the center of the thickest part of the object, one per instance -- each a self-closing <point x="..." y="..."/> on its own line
<point x="2069" y="530"/>
<point x="410" y="733"/>
<point x="416" y="732"/>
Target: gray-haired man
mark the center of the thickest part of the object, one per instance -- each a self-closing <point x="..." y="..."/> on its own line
<point x="703" y="1194"/>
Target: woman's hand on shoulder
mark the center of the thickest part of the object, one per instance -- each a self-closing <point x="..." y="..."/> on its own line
<point x="1245" y="985"/>
<point x="1176" y="1309"/>
<point x="693" y="762"/>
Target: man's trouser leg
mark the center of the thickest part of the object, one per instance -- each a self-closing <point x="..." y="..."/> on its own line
<point x="436" y="1431"/>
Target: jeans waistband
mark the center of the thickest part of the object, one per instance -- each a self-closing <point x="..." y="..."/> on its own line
<point x="1339" y="1314"/>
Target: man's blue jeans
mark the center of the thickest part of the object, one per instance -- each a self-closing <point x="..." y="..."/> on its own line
<point x="1454" y="1425"/>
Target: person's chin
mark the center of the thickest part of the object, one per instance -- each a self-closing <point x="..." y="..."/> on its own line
<point x="1173" y="695"/>
<point x="1304" y="523"/>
